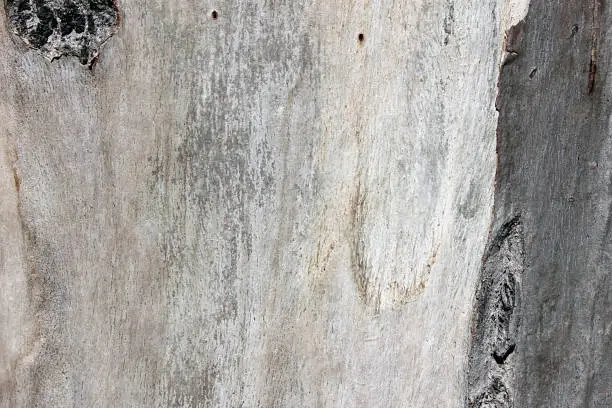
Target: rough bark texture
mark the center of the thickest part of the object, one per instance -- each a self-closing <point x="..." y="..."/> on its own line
<point x="285" y="204"/>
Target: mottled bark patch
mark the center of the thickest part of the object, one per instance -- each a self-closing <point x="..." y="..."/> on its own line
<point x="64" y="27"/>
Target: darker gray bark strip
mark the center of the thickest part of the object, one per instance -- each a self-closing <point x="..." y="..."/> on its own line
<point x="554" y="169"/>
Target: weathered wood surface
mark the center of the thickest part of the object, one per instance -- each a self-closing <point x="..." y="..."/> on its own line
<point x="261" y="210"/>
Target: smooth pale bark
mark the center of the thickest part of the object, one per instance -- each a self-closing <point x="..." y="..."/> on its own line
<point x="265" y="210"/>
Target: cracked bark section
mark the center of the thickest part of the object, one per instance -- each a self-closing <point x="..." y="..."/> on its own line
<point x="59" y="28"/>
<point x="496" y="320"/>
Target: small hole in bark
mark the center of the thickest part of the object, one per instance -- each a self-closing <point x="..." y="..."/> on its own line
<point x="574" y="30"/>
<point x="533" y="73"/>
<point x="361" y="37"/>
<point x="214" y="14"/>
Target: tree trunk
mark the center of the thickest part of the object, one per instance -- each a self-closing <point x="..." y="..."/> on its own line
<point x="305" y="204"/>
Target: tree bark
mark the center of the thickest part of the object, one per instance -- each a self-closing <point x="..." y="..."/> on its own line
<point x="317" y="204"/>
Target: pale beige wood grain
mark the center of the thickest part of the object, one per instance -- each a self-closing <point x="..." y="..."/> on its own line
<point x="254" y="211"/>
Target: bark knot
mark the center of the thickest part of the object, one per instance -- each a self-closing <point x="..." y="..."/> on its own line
<point x="59" y="28"/>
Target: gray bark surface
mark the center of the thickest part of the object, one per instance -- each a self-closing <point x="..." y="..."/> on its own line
<point x="260" y="207"/>
<point x="554" y="181"/>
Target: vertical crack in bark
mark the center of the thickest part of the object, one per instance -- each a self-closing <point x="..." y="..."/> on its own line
<point x="13" y="157"/>
<point x="594" y="44"/>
